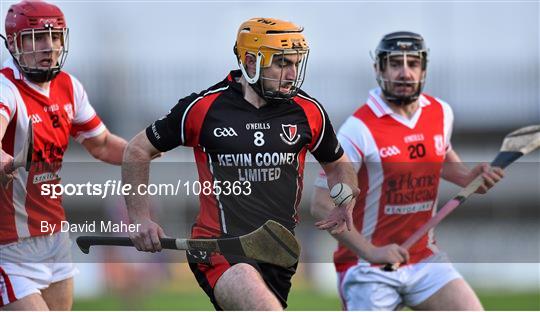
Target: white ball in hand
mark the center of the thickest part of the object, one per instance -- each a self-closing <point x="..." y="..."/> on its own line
<point x="341" y="193"/>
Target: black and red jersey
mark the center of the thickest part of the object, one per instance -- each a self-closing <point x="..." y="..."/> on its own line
<point x="235" y="141"/>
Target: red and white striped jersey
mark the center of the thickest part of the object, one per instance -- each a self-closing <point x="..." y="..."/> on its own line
<point x="57" y="113"/>
<point x="398" y="162"/>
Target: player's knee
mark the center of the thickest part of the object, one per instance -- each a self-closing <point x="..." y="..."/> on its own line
<point x="244" y="271"/>
<point x="239" y="274"/>
<point x="59" y="295"/>
<point x="241" y="287"/>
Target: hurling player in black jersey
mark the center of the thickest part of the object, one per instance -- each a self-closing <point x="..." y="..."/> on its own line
<point x="250" y="131"/>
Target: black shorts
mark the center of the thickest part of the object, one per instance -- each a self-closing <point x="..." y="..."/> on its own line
<point x="209" y="268"/>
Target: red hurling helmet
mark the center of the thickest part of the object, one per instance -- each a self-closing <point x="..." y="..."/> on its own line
<point x="32" y="18"/>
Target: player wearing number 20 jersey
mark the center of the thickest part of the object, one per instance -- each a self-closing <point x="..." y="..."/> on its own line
<point x="399" y="163"/>
<point x="263" y="148"/>
<point x="400" y="143"/>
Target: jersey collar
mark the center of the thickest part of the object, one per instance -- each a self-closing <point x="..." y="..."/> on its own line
<point x="9" y="63"/>
<point x="379" y="106"/>
<point x="232" y="80"/>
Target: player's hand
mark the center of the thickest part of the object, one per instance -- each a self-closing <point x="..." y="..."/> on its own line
<point x="392" y="253"/>
<point x="6" y="173"/>
<point x="147" y="238"/>
<point x="490" y="175"/>
<point x="339" y="219"/>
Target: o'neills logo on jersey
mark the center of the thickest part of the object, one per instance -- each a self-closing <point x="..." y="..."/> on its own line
<point x="224" y="132"/>
<point x="389" y="151"/>
<point x="290" y="134"/>
<point x="414" y="138"/>
<point x="51" y="108"/>
<point x="258" y="126"/>
<point x="439" y="145"/>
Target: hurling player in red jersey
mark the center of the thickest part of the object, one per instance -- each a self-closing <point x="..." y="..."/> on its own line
<point x="36" y="272"/>
<point x="252" y="129"/>
<point x="399" y="144"/>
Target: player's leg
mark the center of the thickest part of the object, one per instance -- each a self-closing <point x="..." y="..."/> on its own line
<point x="434" y="284"/>
<point x="241" y="283"/>
<point x="19" y="292"/>
<point x="241" y="287"/>
<point x="21" y="282"/>
<point x="33" y="302"/>
<point x="340" y="277"/>
<point x="59" y="295"/>
<point x="456" y="295"/>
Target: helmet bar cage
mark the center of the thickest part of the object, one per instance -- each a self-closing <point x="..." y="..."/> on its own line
<point x="46" y="72"/>
<point x="382" y="62"/>
<point x="302" y="57"/>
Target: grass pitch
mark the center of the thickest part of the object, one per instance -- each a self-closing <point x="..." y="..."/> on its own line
<point x="299" y="299"/>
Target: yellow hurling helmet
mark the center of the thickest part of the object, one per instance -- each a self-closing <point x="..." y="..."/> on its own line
<point x="265" y="38"/>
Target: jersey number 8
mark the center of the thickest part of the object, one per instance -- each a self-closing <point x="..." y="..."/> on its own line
<point x="259" y="141"/>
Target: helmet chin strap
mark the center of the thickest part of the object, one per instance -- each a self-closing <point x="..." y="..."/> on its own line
<point x="41" y="75"/>
<point x="252" y="80"/>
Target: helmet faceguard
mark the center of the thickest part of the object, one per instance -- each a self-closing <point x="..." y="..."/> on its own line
<point x="269" y="39"/>
<point x="30" y="21"/>
<point x="404" y="44"/>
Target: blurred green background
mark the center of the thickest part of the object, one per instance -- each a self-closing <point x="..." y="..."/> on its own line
<point x="301" y="298"/>
<point x="181" y="292"/>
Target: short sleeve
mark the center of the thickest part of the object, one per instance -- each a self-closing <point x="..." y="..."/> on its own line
<point x="327" y="149"/>
<point x="448" y="115"/>
<point x="353" y="141"/>
<point x="166" y="133"/>
<point x="8" y="104"/>
<point x="85" y="123"/>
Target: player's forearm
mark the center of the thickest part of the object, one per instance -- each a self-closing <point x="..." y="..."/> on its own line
<point x="135" y="172"/>
<point x="454" y="170"/>
<point x="341" y="171"/>
<point x="113" y="150"/>
<point x="456" y="173"/>
<point x="321" y="207"/>
<point x="5" y="159"/>
<point x="106" y="147"/>
<point x="351" y="239"/>
<point x="355" y="242"/>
